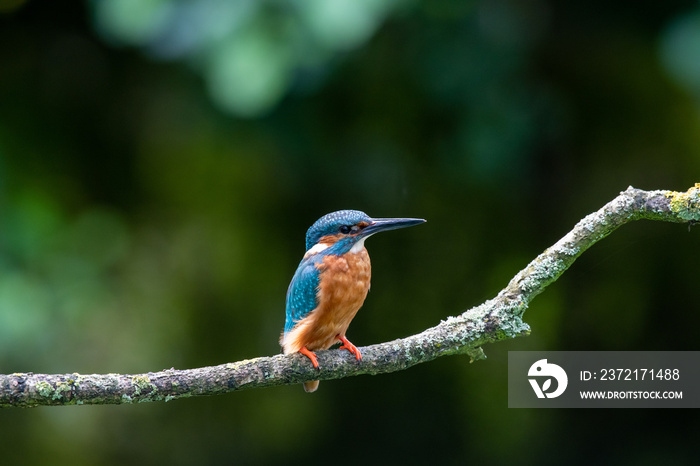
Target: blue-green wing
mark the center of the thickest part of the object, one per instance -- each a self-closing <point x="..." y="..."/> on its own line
<point x="301" y="294"/>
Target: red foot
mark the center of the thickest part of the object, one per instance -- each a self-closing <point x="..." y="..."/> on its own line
<point x="350" y="347"/>
<point x="311" y="355"/>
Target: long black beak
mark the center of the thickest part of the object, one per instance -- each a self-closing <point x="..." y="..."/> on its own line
<point x="385" y="224"/>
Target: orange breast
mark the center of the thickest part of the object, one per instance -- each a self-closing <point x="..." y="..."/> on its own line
<point x="343" y="286"/>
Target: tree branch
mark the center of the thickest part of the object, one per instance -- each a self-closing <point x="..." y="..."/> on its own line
<point x="497" y="319"/>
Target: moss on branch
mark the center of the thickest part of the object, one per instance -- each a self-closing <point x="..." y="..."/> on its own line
<point x="497" y="319"/>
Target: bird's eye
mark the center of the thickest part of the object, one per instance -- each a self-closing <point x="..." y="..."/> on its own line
<point x="345" y="229"/>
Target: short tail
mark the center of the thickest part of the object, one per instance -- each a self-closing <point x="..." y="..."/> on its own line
<point x="310" y="387"/>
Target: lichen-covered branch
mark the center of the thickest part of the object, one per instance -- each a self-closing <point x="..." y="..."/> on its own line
<point x="497" y="319"/>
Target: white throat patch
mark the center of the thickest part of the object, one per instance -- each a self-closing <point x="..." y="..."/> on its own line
<point x="316" y="248"/>
<point x="320" y="247"/>
<point x="359" y="246"/>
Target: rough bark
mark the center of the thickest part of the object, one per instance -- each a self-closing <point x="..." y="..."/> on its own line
<point x="497" y="319"/>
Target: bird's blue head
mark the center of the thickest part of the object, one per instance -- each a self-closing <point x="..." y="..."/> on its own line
<point x="336" y="223"/>
<point x="349" y="227"/>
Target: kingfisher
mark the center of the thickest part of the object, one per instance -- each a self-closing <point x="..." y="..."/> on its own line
<point x="331" y="283"/>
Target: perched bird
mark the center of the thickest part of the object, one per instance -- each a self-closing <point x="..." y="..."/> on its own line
<point x="331" y="283"/>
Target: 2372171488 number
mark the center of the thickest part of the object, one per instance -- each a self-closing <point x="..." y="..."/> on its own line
<point x="639" y="374"/>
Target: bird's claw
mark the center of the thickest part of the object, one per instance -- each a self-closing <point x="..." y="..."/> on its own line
<point x="311" y="355"/>
<point x="350" y="347"/>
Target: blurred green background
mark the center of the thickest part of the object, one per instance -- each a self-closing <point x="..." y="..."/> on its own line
<point x="161" y="160"/>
